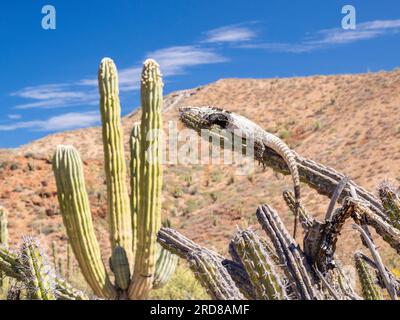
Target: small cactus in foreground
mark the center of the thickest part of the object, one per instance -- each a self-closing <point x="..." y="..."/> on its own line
<point x="259" y="266"/>
<point x="369" y="287"/>
<point x="39" y="276"/>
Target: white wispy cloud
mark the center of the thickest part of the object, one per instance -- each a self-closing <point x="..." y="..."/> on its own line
<point x="334" y="36"/>
<point x="54" y="96"/>
<point x="66" y="121"/>
<point x="232" y="33"/>
<point x="175" y="60"/>
<point x="172" y="60"/>
<point x="14" y="116"/>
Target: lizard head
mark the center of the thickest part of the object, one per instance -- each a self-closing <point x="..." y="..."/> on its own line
<point x="216" y="120"/>
<point x="206" y="117"/>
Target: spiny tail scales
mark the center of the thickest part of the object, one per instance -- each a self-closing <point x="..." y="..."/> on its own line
<point x="276" y="144"/>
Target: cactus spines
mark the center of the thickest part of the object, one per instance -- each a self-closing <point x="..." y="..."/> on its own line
<point x="74" y="205"/>
<point x="259" y="266"/>
<point x="391" y="202"/>
<point x="13" y="267"/>
<point x="149" y="215"/>
<point x="214" y="276"/>
<point x="119" y="265"/>
<point x="114" y="158"/>
<point x="39" y="275"/>
<point x="369" y="287"/>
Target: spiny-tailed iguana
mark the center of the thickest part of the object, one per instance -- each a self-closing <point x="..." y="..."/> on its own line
<point x="221" y="122"/>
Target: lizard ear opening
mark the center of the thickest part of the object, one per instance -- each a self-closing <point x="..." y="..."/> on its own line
<point x="218" y="119"/>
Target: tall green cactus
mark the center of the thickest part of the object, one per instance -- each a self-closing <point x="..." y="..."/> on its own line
<point x="134" y="223"/>
<point x="114" y="159"/>
<point x="39" y="277"/>
<point x="150" y="180"/>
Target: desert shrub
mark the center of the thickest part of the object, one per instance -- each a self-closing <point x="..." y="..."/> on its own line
<point x="317" y="125"/>
<point x="191" y="205"/>
<point x="177" y="192"/>
<point x="182" y="286"/>
<point x="284" y="134"/>
<point x="217" y="175"/>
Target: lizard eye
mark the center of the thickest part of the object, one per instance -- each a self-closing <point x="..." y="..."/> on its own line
<point x="218" y="119"/>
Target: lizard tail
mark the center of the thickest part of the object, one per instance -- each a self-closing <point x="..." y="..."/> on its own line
<point x="296" y="209"/>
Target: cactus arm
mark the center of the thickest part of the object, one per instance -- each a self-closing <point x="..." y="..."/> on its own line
<point x="390" y="287"/>
<point x="39" y="275"/>
<point x="259" y="266"/>
<point x="9" y="264"/>
<point x="119" y="264"/>
<point x="135" y="178"/>
<point x="298" y="270"/>
<point x="165" y="267"/>
<point x="213" y="276"/>
<point x="222" y="278"/>
<point x="149" y="217"/>
<point x="114" y="158"/>
<point x="74" y="205"/>
<point x="369" y="288"/>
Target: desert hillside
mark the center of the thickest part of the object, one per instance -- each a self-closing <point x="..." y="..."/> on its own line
<point x="349" y="122"/>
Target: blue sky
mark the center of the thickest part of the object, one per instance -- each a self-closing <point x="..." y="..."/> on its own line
<point x="48" y="77"/>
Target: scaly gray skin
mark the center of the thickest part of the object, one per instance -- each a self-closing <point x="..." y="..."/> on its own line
<point x="221" y="122"/>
